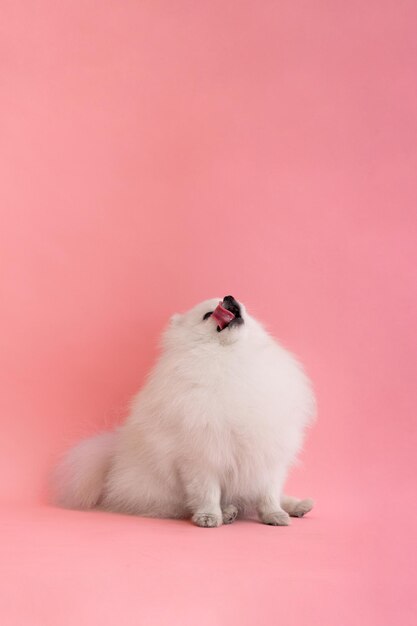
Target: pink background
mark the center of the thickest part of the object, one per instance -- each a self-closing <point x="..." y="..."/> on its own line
<point x="157" y="153"/>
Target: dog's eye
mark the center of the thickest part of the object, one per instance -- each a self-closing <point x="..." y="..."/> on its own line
<point x="207" y="315"/>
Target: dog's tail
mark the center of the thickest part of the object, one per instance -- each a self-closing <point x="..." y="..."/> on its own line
<point x="79" y="479"/>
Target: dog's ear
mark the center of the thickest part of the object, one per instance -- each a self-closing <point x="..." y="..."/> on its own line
<point x="175" y="319"/>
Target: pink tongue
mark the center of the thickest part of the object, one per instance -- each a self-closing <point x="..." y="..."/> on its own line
<point x="222" y="316"/>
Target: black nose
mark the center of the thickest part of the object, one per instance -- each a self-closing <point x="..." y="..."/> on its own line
<point x="232" y="305"/>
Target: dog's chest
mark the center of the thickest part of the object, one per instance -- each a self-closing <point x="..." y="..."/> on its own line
<point x="229" y="410"/>
<point x="234" y="439"/>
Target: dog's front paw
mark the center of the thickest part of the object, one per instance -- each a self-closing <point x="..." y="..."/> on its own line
<point x="276" y="518"/>
<point x="207" y="520"/>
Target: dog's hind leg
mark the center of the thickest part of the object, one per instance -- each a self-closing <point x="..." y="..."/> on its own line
<point x="296" y="507"/>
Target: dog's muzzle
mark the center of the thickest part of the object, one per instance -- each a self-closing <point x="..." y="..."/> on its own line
<point x="230" y="304"/>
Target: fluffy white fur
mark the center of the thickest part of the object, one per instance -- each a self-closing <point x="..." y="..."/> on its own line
<point x="212" y="433"/>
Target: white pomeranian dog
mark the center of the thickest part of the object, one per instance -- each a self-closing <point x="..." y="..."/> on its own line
<point x="211" y="435"/>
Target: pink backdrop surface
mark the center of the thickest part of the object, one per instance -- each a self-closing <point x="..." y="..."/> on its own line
<point x="154" y="154"/>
